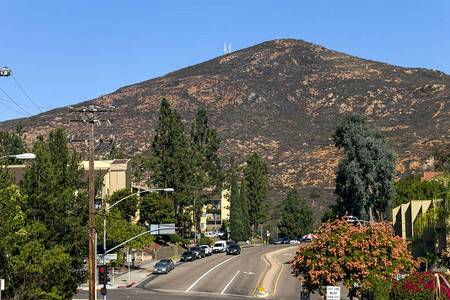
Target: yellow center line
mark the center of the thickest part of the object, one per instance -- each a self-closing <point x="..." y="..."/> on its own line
<point x="276" y="282"/>
<point x="257" y="284"/>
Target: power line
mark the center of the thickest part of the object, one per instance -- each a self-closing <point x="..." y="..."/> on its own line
<point x="13" y="109"/>
<point x="27" y="105"/>
<point x="15" y="102"/>
<point x="25" y="93"/>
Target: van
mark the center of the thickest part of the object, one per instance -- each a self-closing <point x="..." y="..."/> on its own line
<point x="220" y="246"/>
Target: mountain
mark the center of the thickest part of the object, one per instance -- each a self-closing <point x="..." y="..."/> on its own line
<point x="283" y="98"/>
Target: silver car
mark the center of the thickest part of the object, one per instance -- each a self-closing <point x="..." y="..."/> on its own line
<point x="161" y="268"/>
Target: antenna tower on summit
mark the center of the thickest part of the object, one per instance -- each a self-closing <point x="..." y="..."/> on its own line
<point x="225" y="51"/>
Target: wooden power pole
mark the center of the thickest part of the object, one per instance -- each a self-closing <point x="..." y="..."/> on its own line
<point x="90" y="116"/>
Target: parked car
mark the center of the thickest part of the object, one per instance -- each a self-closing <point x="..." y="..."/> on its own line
<point x="230" y="242"/>
<point x="210" y="234"/>
<point x="220" y="246"/>
<point x="161" y="268"/>
<point x="234" y="249"/>
<point x="169" y="262"/>
<point x="188" y="256"/>
<point x="277" y="241"/>
<point x="294" y="242"/>
<point x="285" y="240"/>
<point x="200" y="252"/>
<point x="208" y="250"/>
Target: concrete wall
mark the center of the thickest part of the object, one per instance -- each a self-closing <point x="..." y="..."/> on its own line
<point x="167" y="252"/>
<point x="404" y="217"/>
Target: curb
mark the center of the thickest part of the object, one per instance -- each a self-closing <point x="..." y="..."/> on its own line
<point x="126" y="286"/>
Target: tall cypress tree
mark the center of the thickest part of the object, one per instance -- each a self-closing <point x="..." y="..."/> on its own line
<point x="174" y="160"/>
<point x="236" y="213"/>
<point x="255" y="180"/>
<point x="205" y="144"/>
<point x="297" y="216"/>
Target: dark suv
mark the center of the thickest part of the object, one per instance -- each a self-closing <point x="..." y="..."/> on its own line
<point x="199" y="251"/>
<point x="285" y="240"/>
<point x="234" y="249"/>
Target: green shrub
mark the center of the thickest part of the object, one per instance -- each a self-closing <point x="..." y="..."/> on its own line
<point x="314" y="194"/>
<point x="418" y="286"/>
<point x="205" y="240"/>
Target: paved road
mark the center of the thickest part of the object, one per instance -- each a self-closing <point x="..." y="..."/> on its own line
<point x="221" y="276"/>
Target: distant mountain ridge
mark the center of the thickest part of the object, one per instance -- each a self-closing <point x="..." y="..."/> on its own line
<point x="283" y="98"/>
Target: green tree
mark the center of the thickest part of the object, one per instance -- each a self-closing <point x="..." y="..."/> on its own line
<point x="237" y="230"/>
<point x="411" y="188"/>
<point x="255" y="180"/>
<point x="46" y="235"/>
<point x="441" y="156"/>
<point x="128" y="207"/>
<point x="365" y="178"/>
<point x="11" y="144"/>
<point x="156" y="209"/>
<point x="297" y="216"/>
<point x="205" y="144"/>
<point x="174" y="160"/>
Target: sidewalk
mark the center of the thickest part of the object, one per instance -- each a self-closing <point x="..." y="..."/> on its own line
<point x="126" y="279"/>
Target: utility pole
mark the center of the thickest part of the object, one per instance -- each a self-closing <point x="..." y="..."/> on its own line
<point x="91" y="115"/>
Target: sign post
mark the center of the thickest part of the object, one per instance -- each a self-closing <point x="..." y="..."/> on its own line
<point x="333" y="293"/>
<point x="2" y="287"/>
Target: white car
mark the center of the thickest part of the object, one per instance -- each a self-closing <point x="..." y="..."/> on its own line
<point x="220" y="246"/>
<point x="208" y="250"/>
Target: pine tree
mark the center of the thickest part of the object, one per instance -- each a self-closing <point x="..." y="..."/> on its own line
<point x="46" y="235"/>
<point x="205" y="144"/>
<point x="365" y="178"/>
<point x="174" y="160"/>
<point x="255" y="181"/>
<point x="236" y="213"/>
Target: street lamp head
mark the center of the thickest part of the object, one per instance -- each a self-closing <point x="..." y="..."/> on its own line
<point x="25" y="156"/>
<point x="168" y="190"/>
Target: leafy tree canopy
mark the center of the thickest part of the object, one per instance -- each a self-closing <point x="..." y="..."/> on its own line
<point x="355" y="255"/>
<point x="297" y="216"/>
<point x="364" y="181"/>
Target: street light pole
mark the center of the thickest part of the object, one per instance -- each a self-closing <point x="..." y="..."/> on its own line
<point x="104" y="218"/>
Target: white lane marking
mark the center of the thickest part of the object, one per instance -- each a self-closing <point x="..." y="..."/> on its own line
<point x="225" y="288"/>
<point x="250" y="273"/>
<point x="189" y="288"/>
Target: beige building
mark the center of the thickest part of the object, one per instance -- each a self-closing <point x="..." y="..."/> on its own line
<point x="404" y="218"/>
<point x="215" y="212"/>
<point x="116" y="174"/>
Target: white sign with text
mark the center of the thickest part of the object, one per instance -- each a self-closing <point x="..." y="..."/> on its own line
<point x="333" y="293"/>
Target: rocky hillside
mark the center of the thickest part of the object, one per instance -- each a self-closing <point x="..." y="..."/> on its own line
<point x="282" y="98"/>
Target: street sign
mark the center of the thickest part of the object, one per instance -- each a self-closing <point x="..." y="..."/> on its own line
<point x="2" y="284"/>
<point x="128" y="258"/>
<point x="162" y="229"/>
<point x="107" y="256"/>
<point x="333" y="293"/>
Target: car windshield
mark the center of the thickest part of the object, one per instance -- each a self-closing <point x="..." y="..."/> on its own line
<point x="160" y="264"/>
<point x="233" y="246"/>
<point x="187" y="253"/>
<point x="218" y="245"/>
<point x="165" y="260"/>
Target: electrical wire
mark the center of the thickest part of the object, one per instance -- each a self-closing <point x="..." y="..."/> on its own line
<point x="27" y="105"/>
<point x="12" y="75"/>
<point x="13" y="108"/>
<point x="14" y="103"/>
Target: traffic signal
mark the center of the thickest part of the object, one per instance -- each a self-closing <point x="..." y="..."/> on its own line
<point x="103" y="276"/>
<point x="102" y="271"/>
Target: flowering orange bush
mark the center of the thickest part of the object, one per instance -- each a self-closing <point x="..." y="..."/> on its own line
<point x="357" y="255"/>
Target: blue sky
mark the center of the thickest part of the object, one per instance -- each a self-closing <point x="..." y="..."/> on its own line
<point x="66" y="52"/>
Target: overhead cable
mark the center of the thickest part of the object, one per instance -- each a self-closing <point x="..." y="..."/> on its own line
<point x="12" y="75"/>
<point x="14" y="102"/>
